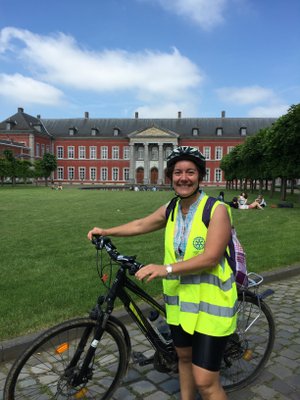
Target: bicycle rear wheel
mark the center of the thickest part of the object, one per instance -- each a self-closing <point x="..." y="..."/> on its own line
<point x="40" y="373"/>
<point x="250" y="347"/>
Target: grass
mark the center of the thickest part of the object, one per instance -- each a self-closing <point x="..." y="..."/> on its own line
<point x="47" y="264"/>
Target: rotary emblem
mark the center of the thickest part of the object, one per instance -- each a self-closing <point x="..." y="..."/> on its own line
<point x="198" y="243"/>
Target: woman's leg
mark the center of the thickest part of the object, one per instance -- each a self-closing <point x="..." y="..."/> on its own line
<point x="208" y="384"/>
<point x="186" y="378"/>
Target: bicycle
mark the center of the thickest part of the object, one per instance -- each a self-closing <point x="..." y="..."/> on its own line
<point x="86" y="358"/>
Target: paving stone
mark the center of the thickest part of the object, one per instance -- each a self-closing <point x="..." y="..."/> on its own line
<point x="278" y="381"/>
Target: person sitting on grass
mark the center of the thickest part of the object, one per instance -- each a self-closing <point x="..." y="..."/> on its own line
<point x="260" y="199"/>
<point x="242" y="201"/>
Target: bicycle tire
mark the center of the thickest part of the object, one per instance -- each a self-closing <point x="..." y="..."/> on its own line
<point x="39" y="374"/>
<point x="250" y="347"/>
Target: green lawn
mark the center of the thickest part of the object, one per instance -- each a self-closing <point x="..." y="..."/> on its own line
<point x="47" y="264"/>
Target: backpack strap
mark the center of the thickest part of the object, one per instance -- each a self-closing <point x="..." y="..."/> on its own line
<point x="207" y="210"/>
<point x="171" y="208"/>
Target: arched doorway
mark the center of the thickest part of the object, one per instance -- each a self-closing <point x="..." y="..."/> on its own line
<point x="167" y="180"/>
<point x="140" y="175"/>
<point x="154" y="176"/>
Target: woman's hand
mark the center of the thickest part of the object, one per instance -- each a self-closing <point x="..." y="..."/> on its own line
<point x="95" y="231"/>
<point x="151" y="271"/>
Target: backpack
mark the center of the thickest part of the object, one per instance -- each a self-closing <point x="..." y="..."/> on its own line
<point x="236" y="256"/>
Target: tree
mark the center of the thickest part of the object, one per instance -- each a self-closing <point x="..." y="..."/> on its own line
<point x="12" y="165"/>
<point x="4" y="170"/>
<point x="46" y="166"/>
<point x="283" y="147"/>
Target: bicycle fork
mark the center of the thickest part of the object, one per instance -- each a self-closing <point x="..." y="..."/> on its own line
<point x="85" y="371"/>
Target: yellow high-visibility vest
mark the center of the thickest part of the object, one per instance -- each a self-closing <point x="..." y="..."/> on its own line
<point x="205" y="301"/>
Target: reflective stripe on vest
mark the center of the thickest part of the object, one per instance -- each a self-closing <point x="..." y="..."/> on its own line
<point x="195" y="308"/>
<point x="205" y="301"/>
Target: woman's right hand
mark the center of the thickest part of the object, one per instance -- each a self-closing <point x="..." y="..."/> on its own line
<point x="95" y="231"/>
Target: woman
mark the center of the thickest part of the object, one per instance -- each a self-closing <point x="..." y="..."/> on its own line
<point x="243" y="199"/>
<point x="198" y="284"/>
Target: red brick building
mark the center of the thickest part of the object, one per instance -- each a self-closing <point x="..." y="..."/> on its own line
<point x="129" y="150"/>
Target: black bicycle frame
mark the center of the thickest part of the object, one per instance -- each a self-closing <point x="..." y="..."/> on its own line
<point x="119" y="289"/>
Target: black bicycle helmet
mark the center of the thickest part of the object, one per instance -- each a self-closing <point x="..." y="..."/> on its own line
<point x="186" y="153"/>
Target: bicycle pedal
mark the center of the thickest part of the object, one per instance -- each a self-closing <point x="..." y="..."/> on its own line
<point x="139" y="358"/>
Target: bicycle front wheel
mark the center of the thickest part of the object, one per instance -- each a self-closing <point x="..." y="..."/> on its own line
<point x="250" y="347"/>
<point x="44" y="371"/>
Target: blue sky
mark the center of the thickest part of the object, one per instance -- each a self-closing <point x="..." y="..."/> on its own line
<point x="115" y="57"/>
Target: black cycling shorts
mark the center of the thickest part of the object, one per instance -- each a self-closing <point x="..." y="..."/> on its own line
<point x="207" y="351"/>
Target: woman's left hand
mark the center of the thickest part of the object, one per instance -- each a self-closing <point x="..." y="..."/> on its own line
<point x="151" y="271"/>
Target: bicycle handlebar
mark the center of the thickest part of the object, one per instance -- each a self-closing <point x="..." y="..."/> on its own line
<point x="129" y="262"/>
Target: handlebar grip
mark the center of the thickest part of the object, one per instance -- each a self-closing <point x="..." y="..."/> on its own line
<point x="135" y="268"/>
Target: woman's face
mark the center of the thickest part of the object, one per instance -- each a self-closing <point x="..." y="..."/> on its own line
<point x="185" y="178"/>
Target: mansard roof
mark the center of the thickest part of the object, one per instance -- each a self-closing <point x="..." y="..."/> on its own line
<point x="129" y="127"/>
<point x="24" y="123"/>
<point x="180" y="126"/>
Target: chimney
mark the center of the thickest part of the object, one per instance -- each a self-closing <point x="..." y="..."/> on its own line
<point x="86" y="115"/>
<point x="223" y="114"/>
<point x="38" y="116"/>
<point x="179" y="114"/>
<point x="136" y="115"/>
<point x="20" y="109"/>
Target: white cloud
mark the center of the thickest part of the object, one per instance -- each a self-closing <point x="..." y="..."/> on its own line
<point x="59" y="60"/>
<point x="27" y="90"/>
<point x="205" y="13"/>
<point x="245" y="95"/>
<point x="166" y="110"/>
<point x="271" y="111"/>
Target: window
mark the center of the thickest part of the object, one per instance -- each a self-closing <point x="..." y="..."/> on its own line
<point x="140" y="153"/>
<point x="43" y="149"/>
<point x="82" y="152"/>
<point x="93" y="152"/>
<point x="207" y="176"/>
<point x="47" y="148"/>
<point x="229" y="149"/>
<point x="104" y="174"/>
<point x="154" y="153"/>
<point x="126" y="153"/>
<point x="206" y="152"/>
<point x="82" y="173"/>
<point x="218" y="175"/>
<point x="243" y="131"/>
<point x="168" y="151"/>
<point x="71" y="152"/>
<point x="126" y="174"/>
<point x="116" y="132"/>
<point x="115" y="152"/>
<point x="218" y="153"/>
<point x="195" y="132"/>
<point x="71" y="131"/>
<point x="70" y="173"/>
<point x="93" y="173"/>
<point x="219" y="131"/>
<point x="60" y="173"/>
<point x="60" y="152"/>
<point x="115" y="174"/>
<point x="37" y="150"/>
<point x="104" y="152"/>
<point x="94" y="131"/>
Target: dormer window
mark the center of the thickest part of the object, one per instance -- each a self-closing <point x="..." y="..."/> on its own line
<point x="116" y="131"/>
<point x="38" y="127"/>
<point x="219" y="131"/>
<point x="72" y="131"/>
<point x="9" y="125"/>
<point x="243" y="131"/>
<point x="94" y="131"/>
<point x="195" y="132"/>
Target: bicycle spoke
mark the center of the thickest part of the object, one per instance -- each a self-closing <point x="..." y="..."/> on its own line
<point x="46" y="374"/>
